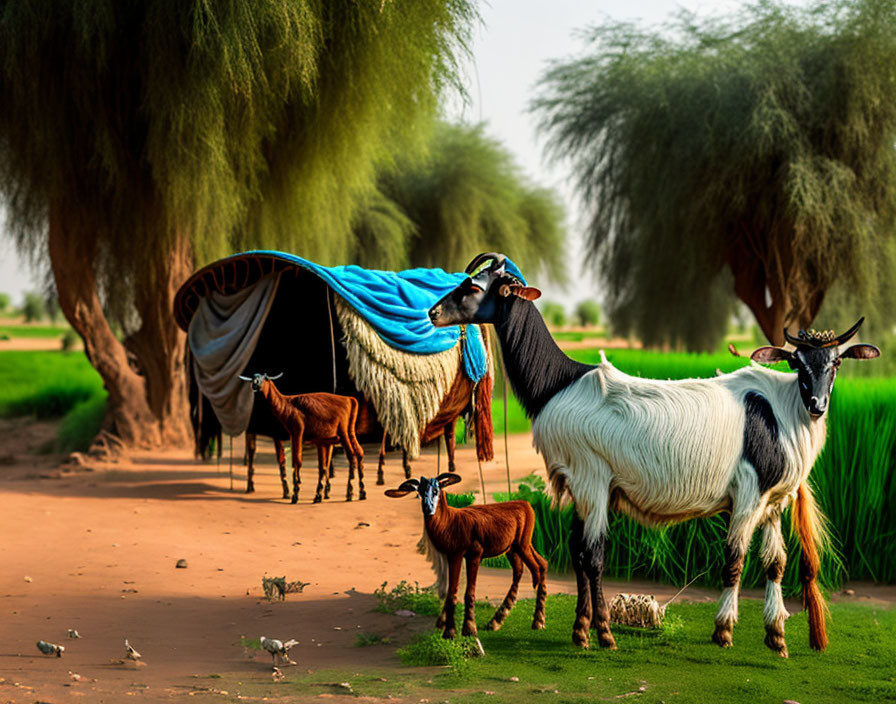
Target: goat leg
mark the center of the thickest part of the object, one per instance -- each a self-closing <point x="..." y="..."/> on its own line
<point x="454" y="565"/>
<point x="281" y="462"/>
<point x="450" y="443"/>
<point x="380" y="480"/>
<point x="296" y="466"/>
<point x="581" y="627"/>
<point x="516" y="562"/>
<point x="321" y="472"/>
<point x="600" y="613"/>
<point x="473" y="559"/>
<point x="249" y="457"/>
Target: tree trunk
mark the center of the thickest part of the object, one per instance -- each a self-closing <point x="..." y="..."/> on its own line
<point x="763" y="281"/>
<point x="128" y="415"/>
<point x="159" y="347"/>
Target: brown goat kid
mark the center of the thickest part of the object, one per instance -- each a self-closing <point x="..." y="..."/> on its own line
<point x="322" y="419"/>
<point x="475" y="532"/>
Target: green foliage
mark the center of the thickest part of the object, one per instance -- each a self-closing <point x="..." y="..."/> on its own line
<point x="221" y="125"/>
<point x="430" y="649"/>
<point x="671" y="664"/>
<point x="463" y="195"/>
<point x="587" y="313"/>
<point x="760" y="145"/>
<point x="554" y="314"/>
<point x="33" y="307"/>
<point x="420" y="600"/>
<point x="81" y="424"/>
<point x="45" y="384"/>
<point x="5" y="300"/>
<point x="460" y="500"/>
<point x="69" y="340"/>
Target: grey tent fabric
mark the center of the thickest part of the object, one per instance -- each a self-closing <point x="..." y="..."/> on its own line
<point x="222" y="338"/>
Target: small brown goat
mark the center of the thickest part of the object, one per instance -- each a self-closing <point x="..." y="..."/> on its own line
<point x="323" y="420"/>
<point x="475" y="532"/>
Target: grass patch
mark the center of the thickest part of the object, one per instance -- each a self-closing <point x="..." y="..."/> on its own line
<point x="677" y="663"/>
<point x="412" y="597"/>
<point x="45" y="384"/>
<point x="81" y="424"/>
<point x="430" y="648"/>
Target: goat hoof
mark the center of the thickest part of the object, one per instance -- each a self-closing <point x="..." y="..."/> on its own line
<point x="380" y="481"/>
<point x="295" y="499"/>
<point x="250" y="489"/>
<point x="538" y="624"/>
<point x="722" y="637"/>
<point x="470" y="631"/>
<point x="493" y="625"/>
<point x="285" y="494"/>
<point x="775" y="641"/>
<point x="317" y="499"/>
<point x="580" y="638"/>
<point x="362" y="496"/>
<point x="449" y="633"/>
<point x="606" y="640"/>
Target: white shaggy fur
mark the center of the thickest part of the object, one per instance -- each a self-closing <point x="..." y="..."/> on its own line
<point x="666" y="451"/>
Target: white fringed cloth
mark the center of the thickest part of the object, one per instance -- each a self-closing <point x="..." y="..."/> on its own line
<point x="406" y="389"/>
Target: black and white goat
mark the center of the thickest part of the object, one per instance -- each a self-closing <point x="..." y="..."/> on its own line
<point x="666" y="451"/>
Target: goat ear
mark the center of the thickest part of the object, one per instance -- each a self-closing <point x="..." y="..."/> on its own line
<point x="861" y="352"/>
<point x="770" y="355"/>
<point x="397" y="493"/>
<point x="529" y="293"/>
<point x="448" y="478"/>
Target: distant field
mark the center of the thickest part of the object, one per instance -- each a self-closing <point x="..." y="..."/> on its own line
<point x="51" y="331"/>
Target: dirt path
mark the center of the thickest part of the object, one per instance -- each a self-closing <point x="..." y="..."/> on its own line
<point x="96" y="552"/>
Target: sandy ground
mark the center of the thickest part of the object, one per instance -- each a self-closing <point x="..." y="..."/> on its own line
<point x="96" y="551"/>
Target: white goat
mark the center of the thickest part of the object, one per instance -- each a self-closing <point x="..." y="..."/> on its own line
<point x="667" y="451"/>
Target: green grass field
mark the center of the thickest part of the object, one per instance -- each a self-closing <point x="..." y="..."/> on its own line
<point x="676" y="664"/>
<point x="31" y="331"/>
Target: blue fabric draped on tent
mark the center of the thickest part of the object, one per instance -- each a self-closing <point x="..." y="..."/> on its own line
<point x="395" y="304"/>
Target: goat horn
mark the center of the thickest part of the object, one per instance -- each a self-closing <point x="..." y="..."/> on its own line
<point x="791" y="339"/>
<point x="245" y="378"/>
<point x="275" y="377"/>
<point x="845" y="337"/>
<point x="479" y="258"/>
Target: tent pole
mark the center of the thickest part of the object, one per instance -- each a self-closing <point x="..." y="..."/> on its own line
<point x="481" y="479"/>
<point x="231" y="462"/>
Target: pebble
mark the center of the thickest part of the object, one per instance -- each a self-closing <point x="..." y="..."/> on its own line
<point x="849" y="592"/>
<point x="181" y="564"/>
<point x="405" y="613"/>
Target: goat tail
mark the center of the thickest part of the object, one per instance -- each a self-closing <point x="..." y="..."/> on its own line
<point x="438" y="561"/>
<point x="810" y="527"/>
<point x="482" y="412"/>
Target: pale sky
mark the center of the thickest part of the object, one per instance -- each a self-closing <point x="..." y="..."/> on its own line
<point x="511" y="49"/>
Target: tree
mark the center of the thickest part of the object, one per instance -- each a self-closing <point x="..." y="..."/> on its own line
<point x="463" y="194"/>
<point x="33" y="307"/>
<point x="554" y="313"/>
<point x="587" y="313"/>
<point x="752" y="155"/>
<point x="4" y="302"/>
<point x="140" y="139"/>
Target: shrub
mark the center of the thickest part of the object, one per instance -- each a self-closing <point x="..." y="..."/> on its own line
<point x="33" y="307"/>
<point x="420" y="600"/>
<point x="429" y="649"/>
<point x="587" y="313"/>
<point x="554" y="314"/>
